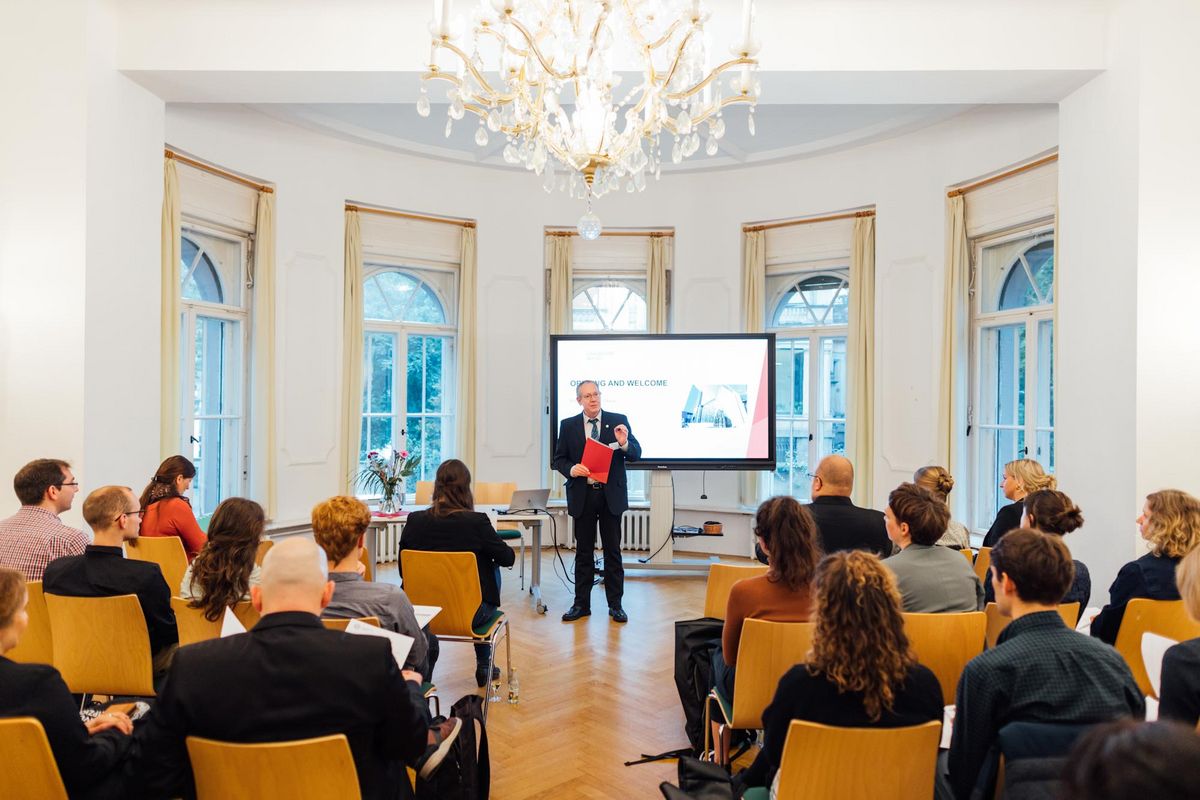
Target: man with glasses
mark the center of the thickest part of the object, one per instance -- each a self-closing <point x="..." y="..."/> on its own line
<point x="103" y="571"/>
<point x="35" y="536"/>
<point x="595" y="504"/>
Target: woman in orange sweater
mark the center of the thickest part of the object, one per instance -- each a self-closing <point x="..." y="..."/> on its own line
<point x="167" y="512"/>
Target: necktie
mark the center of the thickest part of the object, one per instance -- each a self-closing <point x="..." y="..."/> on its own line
<point x="595" y="432"/>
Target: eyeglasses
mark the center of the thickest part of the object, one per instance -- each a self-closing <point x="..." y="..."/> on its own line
<point x="140" y="512"/>
<point x="69" y="483"/>
<point x="589" y="396"/>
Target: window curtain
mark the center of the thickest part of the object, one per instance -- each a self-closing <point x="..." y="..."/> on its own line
<point x="952" y="395"/>
<point x="754" y="278"/>
<point x="262" y="279"/>
<point x="658" y="285"/>
<point x="168" y="437"/>
<point x="466" y="349"/>
<point x="558" y="313"/>
<point x="352" y="355"/>
<point x="860" y="360"/>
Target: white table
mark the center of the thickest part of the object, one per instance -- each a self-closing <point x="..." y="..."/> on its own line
<point x="531" y="520"/>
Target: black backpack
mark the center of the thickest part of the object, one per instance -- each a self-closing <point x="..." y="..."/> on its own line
<point x="695" y="642"/>
<point x="466" y="772"/>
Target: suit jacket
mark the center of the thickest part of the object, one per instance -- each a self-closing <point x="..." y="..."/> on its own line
<point x="105" y="572"/>
<point x="1180" y="695"/>
<point x="844" y="526"/>
<point x="288" y="678"/>
<point x="85" y="762"/>
<point x="1150" y="576"/>
<point x="568" y="452"/>
<point x="461" y="532"/>
<point x="1007" y="518"/>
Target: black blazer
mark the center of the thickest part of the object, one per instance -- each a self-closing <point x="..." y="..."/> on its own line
<point x="462" y="531"/>
<point x="844" y="526"/>
<point x="85" y="762"/>
<point x="288" y="678"/>
<point x="105" y="572"/>
<point x="568" y="452"/>
<point x="1007" y="518"/>
<point x="1150" y="576"/>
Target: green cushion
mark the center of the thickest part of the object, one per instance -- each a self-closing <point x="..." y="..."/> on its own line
<point x="481" y="630"/>
<point x="726" y="706"/>
<point x="757" y="793"/>
<point x="427" y="688"/>
<point x="508" y="534"/>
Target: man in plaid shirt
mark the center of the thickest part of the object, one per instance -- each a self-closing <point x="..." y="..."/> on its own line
<point x="34" y="536"/>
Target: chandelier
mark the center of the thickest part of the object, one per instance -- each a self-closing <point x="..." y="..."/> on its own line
<point x="558" y="79"/>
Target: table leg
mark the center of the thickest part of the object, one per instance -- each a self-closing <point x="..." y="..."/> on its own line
<point x="372" y="541"/>
<point x="535" y="569"/>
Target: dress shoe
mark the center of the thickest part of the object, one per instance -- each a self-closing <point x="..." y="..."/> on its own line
<point x="481" y="674"/>
<point x="618" y="614"/>
<point x="575" y="612"/>
<point x="441" y="737"/>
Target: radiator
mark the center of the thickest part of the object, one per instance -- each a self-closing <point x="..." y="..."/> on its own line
<point x="387" y="544"/>
<point x="635" y="530"/>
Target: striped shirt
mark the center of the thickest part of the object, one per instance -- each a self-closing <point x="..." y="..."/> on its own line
<point x="33" y="537"/>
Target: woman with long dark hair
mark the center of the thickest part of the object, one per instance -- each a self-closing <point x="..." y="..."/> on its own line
<point x="223" y="572"/>
<point x="167" y="510"/>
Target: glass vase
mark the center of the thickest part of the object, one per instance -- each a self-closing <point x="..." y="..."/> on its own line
<point x="389" y="502"/>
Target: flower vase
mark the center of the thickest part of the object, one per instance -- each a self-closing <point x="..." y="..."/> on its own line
<point x="390" y="502"/>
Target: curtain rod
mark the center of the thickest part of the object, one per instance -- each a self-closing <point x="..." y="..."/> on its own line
<point x="649" y="234"/>
<point x="387" y="212"/>
<point x="960" y="190"/>
<point x="209" y="168"/>
<point x="807" y="221"/>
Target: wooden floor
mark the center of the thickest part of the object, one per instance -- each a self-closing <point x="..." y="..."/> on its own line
<point x="593" y="694"/>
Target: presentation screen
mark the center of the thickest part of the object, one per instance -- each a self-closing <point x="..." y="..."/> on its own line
<point x="694" y="401"/>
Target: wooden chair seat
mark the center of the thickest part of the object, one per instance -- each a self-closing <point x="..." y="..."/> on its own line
<point x="37" y="645"/>
<point x="945" y="643"/>
<point x="721" y="578"/>
<point x="307" y="769"/>
<point x="101" y="645"/>
<point x="30" y="770"/>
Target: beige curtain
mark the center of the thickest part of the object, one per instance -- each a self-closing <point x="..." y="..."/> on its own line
<point x="658" y="284"/>
<point x="467" y="335"/>
<point x="952" y="395"/>
<point x="860" y="361"/>
<point x="262" y="278"/>
<point x="754" y="280"/>
<point x="168" y="437"/>
<point x="558" y="313"/>
<point x="352" y="344"/>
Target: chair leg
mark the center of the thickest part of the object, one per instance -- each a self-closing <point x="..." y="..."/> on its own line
<point x="522" y="562"/>
<point x="707" y="725"/>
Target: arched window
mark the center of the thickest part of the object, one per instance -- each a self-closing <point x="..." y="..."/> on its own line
<point x="820" y="300"/>
<point x="609" y="306"/>
<point x="198" y="275"/>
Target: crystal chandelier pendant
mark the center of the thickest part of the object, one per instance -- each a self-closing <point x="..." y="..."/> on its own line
<point x="589" y="224"/>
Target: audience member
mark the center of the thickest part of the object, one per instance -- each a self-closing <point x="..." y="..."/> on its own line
<point x="222" y="573"/>
<point x="339" y="525"/>
<point x="103" y="571"/>
<point x="34" y="536"/>
<point x="1128" y="760"/>
<point x="88" y="755"/>
<point x="1021" y="477"/>
<point x="167" y="510"/>
<point x="452" y="525"/>
<point x="862" y="673"/>
<point x="1040" y="670"/>
<point x="939" y="481"/>
<point x="1170" y="524"/>
<point x="291" y="678"/>
<point x="841" y="524"/>
<point x="931" y="579"/>
<point x="1179" y="698"/>
<point x="786" y="533"/>
<point x="1052" y="512"/>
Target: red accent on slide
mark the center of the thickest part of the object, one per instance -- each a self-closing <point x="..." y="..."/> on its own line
<point x="757" y="447"/>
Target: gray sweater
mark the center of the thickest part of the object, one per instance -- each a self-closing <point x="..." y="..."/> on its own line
<point x="353" y="597"/>
<point x="935" y="580"/>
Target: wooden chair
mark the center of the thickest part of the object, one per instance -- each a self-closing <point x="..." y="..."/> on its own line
<point x="997" y="622"/>
<point x="340" y="624"/>
<point x="766" y="651"/>
<point x="500" y="494"/>
<point x="1166" y="618"/>
<point x="424" y="492"/>
<point x="369" y="571"/>
<point x="30" y="769"/>
<point x="166" y="551"/>
<point x="823" y="761"/>
<point x="969" y="555"/>
<point x="307" y="769"/>
<point x="451" y="581"/>
<point x="36" y="646"/>
<point x="983" y="562"/>
<point x="945" y="643"/>
<point x="247" y="614"/>
<point x="721" y="578"/>
<point x="101" y="645"/>
<point x="264" y="547"/>
<point x="194" y="627"/>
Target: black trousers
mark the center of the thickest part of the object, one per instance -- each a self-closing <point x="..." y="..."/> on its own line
<point x="596" y="515"/>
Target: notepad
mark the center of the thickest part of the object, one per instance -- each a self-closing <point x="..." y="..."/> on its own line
<point x="425" y="614"/>
<point x="401" y="644"/>
<point x="231" y="624"/>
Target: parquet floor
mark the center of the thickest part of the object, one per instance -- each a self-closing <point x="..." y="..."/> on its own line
<point x="593" y="694"/>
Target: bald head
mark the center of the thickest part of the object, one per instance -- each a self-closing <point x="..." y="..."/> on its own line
<point x="836" y="475"/>
<point x="295" y="577"/>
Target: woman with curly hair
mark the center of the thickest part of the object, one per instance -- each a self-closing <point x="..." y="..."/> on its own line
<point x="861" y="673"/>
<point x="1170" y="524"/>
<point x="166" y="508"/>
<point x="1021" y="477"/>
<point x="223" y="572"/>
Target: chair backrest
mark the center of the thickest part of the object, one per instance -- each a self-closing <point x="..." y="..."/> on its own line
<point x="424" y="493"/>
<point x="823" y="761"/>
<point x="308" y="769"/>
<point x="340" y="624"/>
<point x="36" y="646"/>
<point x="193" y="627"/>
<point x="967" y="554"/>
<point x="101" y="645"/>
<point x="368" y="567"/>
<point x="1165" y="617"/>
<point x="30" y="769"/>
<point x="945" y="643"/>
<point x="247" y="614"/>
<point x="765" y="652"/>
<point x="997" y="622"/>
<point x="983" y="562"/>
<point x="448" y="580"/>
<point x="495" y="492"/>
<point x="263" y="548"/>
<point x="166" y="551"/>
<point x="721" y="578"/>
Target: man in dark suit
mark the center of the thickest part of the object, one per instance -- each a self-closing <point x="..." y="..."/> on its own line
<point x="103" y="571"/>
<point x="593" y="504"/>
<point x="291" y="678"/>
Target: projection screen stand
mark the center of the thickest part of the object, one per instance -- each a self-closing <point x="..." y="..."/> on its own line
<point x="662" y="516"/>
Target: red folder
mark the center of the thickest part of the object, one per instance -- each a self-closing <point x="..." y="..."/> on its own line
<point x="598" y="458"/>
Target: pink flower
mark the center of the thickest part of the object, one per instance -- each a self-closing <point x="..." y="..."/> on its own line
<point x="404" y="454"/>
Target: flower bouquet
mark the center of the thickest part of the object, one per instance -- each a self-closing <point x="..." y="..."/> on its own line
<point x="384" y="475"/>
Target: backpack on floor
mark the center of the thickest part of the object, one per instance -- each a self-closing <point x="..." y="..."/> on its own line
<point x="466" y="772"/>
<point x="695" y="642"/>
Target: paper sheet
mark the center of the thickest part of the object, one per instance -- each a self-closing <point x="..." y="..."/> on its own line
<point x="425" y="614"/>
<point x="947" y="727"/>
<point x="1085" y="619"/>
<point x="401" y="644"/>
<point x="1154" y="647"/>
<point x="231" y="624"/>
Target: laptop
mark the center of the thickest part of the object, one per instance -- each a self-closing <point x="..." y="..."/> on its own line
<point x="527" y="500"/>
